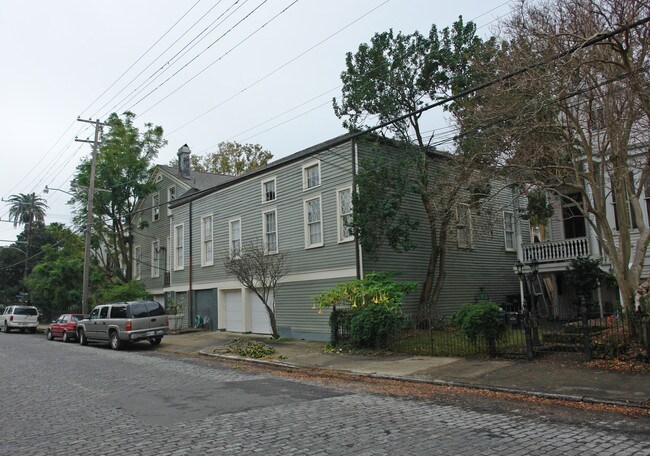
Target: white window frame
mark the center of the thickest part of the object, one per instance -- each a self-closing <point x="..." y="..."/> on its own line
<point x="305" y="170"/>
<point x="464" y="207"/>
<point x="511" y="230"/>
<point x="275" y="190"/>
<point x="155" y="258"/>
<point x="155" y="207"/>
<point x="231" y="251"/>
<point x="341" y="216"/>
<point x="266" y="232"/>
<point x="207" y="245"/>
<point x="170" y="197"/>
<point x="137" y="262"/>
<point x="179" y="247"/>
<point x="306" y="201"/>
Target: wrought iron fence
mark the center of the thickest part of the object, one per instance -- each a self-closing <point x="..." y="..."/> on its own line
<point x="589" y="334"/>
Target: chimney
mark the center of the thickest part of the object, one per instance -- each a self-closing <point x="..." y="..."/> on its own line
<point x="184" y="161"/>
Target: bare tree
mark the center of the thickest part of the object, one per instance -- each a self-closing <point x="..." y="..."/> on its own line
<point x="259" y="271"/>
<point x="578" y="124"/>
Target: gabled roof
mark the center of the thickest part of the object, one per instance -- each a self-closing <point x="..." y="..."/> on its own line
<point x="197" y="180"/>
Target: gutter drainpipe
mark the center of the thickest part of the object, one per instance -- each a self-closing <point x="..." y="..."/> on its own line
<point x="190" y="293"/>
<point x="357" y="246"/>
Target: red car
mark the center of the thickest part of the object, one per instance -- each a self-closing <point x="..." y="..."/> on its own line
<point x="64" y="327"/>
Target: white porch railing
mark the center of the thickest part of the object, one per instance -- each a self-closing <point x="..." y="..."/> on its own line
<point x="546" y="252"/>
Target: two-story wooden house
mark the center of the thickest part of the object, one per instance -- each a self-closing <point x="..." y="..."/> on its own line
<point x="300" y="205"/>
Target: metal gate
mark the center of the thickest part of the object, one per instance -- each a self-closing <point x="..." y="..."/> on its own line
<point x="205" y="309"/>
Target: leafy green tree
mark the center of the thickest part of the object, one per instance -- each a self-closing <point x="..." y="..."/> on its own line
<point x="123" y="165"/>
<point x="131" y="291"/>
<point x="27" y="209"/>
<point x="396" y="75"/>
<point x="231" y="158"/>
<point x="11" y="272"/>
<point x="55" y="282"/>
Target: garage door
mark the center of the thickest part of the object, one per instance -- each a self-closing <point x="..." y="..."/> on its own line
<point x="234" y="311"/>
<point x="260" y="317"/>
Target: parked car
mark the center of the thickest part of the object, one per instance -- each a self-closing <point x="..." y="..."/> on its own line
<point x="64" y="327"/>
<point x="123" y="322"/>
<point x="19" y="317"/>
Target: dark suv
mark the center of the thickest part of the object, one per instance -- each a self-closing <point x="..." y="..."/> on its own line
<point x="123" y="322"/>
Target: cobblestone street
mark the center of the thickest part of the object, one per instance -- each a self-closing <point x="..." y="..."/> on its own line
<point x="91" y="400"/>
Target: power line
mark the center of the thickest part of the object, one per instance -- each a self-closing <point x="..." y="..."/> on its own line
<point x="138" y="59"/>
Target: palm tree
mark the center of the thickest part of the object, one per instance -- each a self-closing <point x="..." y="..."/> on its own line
<point x="26" y="209"/>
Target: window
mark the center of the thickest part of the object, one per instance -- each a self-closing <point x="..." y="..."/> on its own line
<point x="311" y="175"/>
<point x="179" y="247"/>
<point x="464" y="226"/>
<point x="155" y="258"/>
<point x="572" y="216"/>
<point x="509" y="230"/>
<point x="344" y="203"/>
<point x="268" y="190"/>
<point x="137" y="262"/>
<point x="270" y="231"/>
<point x="155" y="207"/>
<point x="171" y="196"/>
<point x="313" y="224"/>
<point x="207" y="254"/>
<point x="235" y="238"/>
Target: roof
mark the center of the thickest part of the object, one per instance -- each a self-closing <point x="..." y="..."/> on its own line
<point x="198" y="180"/>
<point x="193" y="194"/>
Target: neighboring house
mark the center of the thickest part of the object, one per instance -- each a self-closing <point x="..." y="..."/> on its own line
<point x="566" y="236"/>
<point x="299" y="205"/>
<point x="152" y="245"/>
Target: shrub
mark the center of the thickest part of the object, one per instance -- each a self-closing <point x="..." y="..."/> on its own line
<point x="375" y="308"/>
<point x="481" y="321"/>
<point x="372" y="326"/>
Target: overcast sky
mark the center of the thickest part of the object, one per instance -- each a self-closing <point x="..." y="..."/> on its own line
<point x="263" y="71"/>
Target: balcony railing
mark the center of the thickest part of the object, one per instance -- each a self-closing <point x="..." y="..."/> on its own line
<point x="546" y="252"/>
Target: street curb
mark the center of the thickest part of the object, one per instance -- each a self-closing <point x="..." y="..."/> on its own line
<point x="496" y="389"/>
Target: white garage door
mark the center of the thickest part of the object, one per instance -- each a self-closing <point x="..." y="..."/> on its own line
<point x="261" y="323"/>
<point x="234" y="311"/>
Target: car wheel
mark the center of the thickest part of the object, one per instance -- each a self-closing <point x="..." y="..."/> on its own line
<point x="49" y="335"/>
<point x="22" y="330"/>
<point x="65" y="337"/>
<point x="5" y="327"/>
<point x="83" y="340"/>
<point x="116" y="343"/>
<point x="155" y="340"/>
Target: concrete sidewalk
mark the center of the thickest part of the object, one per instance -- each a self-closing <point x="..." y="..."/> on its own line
<point x="559" y="376"/>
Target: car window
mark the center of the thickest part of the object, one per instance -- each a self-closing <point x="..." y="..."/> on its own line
<point x="75" y="317"/>
<point x="103" y="313"/>
<point x="155" y="309"/>
<point x="118" y="312"/>
<point x="139" y="310"/>
<point x="25" y="311"/>
<point x="94" y="312"/>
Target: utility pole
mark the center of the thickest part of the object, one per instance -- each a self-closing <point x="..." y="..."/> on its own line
<point x="89" y="219"/>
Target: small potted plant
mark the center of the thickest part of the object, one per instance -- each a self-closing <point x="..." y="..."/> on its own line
<point x="175" y="311"/>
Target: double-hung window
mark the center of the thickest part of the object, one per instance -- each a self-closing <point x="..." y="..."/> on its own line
<point x="155" y="258"/>
<point x="464" y="226"/>
<point x="155" y="207"/>
<point x="171" y="196"/>
<point x="268" y="190"/>
<point x="137" y="262"/>
<point x="509" y="230"/>
<point x="207" y="254"/>
<point x="179" y="247"/>
<point x="313" y="223"/>
<point x="235" y="238"/>
<point x="344" y="205"/>
<point x="270" y="222"/>
<point x="311" y="175"/>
